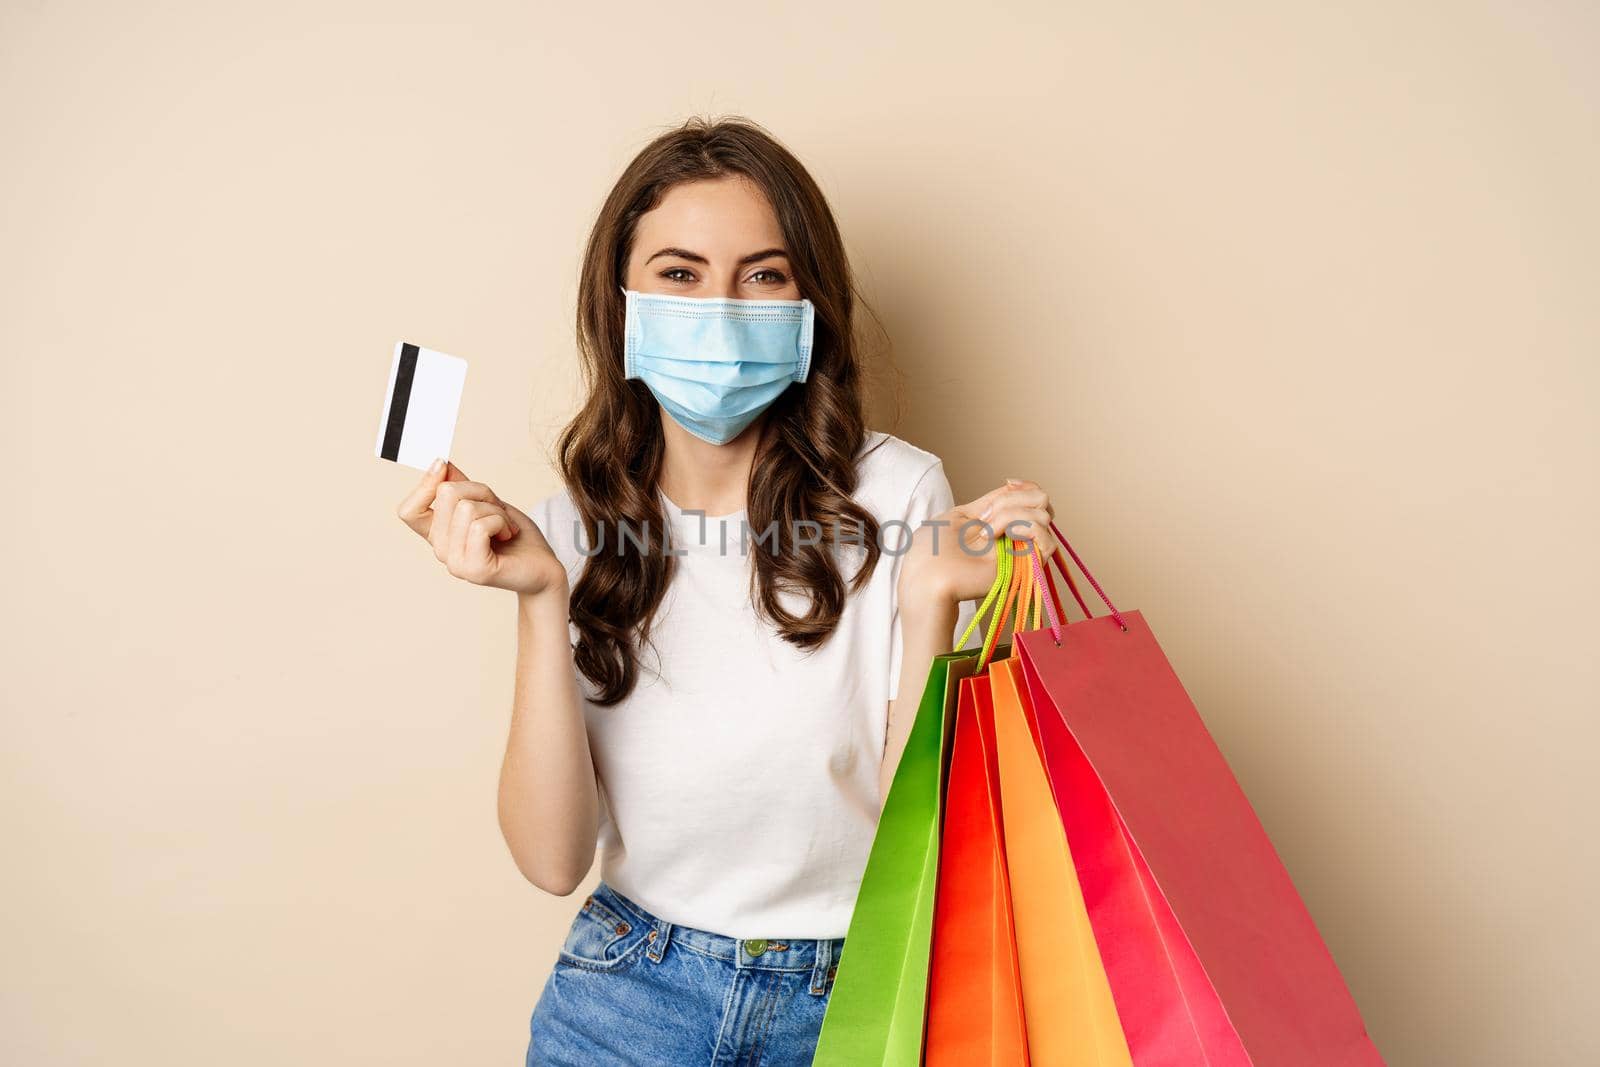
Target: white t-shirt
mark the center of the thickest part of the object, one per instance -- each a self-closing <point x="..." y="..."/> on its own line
<point x="739" y="785"/>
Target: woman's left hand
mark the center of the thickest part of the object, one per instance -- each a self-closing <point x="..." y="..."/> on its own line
<point x="956" y="561"/>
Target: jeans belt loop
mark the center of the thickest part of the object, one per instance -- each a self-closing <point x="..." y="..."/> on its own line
<point x="819" y="971"/>
<point x="659" y="935"/>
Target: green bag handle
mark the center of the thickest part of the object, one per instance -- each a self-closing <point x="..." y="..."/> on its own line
<point x="1026" y="588"/>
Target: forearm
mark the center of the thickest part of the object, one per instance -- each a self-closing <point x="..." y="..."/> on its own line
<point x="548" y="801"/>
<point x="927" y="629"/>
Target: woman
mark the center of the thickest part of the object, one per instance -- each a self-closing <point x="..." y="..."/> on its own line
<point x="787" y="571"/>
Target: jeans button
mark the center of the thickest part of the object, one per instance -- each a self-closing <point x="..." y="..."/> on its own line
<point x="756" y="947"/>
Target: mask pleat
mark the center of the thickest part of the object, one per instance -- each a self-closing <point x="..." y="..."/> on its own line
<point x="714" y="365"/>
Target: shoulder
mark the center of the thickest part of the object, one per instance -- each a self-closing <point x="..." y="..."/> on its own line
<point x="893" y="473"/>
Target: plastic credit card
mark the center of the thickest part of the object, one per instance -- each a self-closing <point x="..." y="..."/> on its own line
<point x="420" y="406"/>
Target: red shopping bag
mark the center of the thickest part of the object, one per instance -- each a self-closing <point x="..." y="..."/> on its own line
<point x="1210" y="952"/>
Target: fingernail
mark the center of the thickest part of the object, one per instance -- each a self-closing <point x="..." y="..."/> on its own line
<point x="1013" y="481"/>
<point x="436" y="466"/>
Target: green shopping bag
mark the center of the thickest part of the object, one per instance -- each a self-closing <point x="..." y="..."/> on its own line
<point x="875" y="1011"/>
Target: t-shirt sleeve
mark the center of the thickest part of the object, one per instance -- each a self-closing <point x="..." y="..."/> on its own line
<point x="558" y="522"/>
<point x="931" y="496"/>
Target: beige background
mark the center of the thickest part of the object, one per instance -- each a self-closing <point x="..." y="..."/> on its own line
<point x="1291" y="308"/>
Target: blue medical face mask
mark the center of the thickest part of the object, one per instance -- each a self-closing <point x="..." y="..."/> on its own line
<point x="715" y="363"/>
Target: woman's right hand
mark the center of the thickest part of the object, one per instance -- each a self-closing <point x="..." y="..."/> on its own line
<point x="479" y="537"/>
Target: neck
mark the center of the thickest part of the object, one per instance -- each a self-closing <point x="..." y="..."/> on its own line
<point x="697" y="475"/>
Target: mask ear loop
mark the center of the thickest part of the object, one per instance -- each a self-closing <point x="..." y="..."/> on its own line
<point x="808" y="318"/>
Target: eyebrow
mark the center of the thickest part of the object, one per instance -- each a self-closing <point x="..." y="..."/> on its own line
<point x="695" y="257"/>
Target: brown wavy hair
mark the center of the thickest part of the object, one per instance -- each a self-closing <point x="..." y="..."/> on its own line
<point x="610" y="454"/>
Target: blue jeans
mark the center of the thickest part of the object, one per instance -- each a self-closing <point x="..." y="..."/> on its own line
<point x="629" y="988"/>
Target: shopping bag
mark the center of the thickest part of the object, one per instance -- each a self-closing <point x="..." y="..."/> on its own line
<point x="877" y="1008"/>
<point x="1210" y="953"/>
<point x="975" y="1014"/>
<point x="1169" y="1012"/>
<point x="1069" y="1017"/>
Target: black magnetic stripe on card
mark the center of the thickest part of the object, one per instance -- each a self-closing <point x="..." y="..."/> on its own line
<point x="404" y="374"/>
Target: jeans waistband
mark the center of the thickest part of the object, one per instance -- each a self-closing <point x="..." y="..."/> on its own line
<point x="820" y="956"/>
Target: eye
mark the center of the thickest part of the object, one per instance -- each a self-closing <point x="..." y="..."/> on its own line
<point x="777" y="277"/>
<point x="671" y="271"/>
